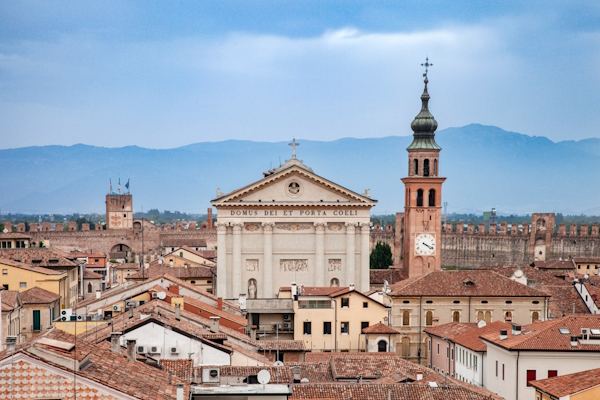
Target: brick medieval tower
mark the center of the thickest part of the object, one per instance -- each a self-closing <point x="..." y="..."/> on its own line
<point x="119" y="211"/>
<point x="423" y="195"/>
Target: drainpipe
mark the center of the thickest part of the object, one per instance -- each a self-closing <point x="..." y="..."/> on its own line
<point x="420" y="317"/>
<point x="335" y="327"/>
<point x="518" y="353"/>
<point x="470" y="309"/>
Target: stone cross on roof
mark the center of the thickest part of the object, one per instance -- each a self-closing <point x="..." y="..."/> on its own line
<point x="294" y="144"/>
<point x="426" y="64"/>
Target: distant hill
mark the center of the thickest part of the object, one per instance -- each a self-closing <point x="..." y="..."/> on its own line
<point x="485" y="167"/>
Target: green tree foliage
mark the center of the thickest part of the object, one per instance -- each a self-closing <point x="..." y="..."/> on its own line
<point x="381" y="256"/>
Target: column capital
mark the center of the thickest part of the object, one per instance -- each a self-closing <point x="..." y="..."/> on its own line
<point x="365" y="227"/>
<point x="350" y="227"/>
<point x="320" y="227"/>
<point x="268" y="227"/>
<point x="237" y="228"/>
<point x="221" y="228"/>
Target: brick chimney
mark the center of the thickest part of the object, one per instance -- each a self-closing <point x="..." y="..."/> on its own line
<point x="131" y="349"/>
<point x="503" y="334"/>
<point x="177" y="311"/>
<point x="115" y="345"/>
<point x="174" y="289"/>
<point x="214" y="324"/>
<point x="209" y="218"/>
<point x="220" y="303"/>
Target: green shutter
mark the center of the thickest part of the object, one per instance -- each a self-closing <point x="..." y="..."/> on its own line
<point x="36" y="321"/>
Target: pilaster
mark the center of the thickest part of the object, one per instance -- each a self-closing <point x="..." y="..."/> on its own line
<point x="266" y="289"/>
<point x="320" y="253"/>
<point x="350" y="253"/>
<point x="237" y="260"/>
<point x="221" y="260"/>
<point x="365" y="284"/>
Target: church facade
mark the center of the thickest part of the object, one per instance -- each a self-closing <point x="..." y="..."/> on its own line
<point x="291" y="226"/>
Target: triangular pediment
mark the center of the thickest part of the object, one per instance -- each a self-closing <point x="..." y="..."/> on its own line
<point x="293" y="185"/>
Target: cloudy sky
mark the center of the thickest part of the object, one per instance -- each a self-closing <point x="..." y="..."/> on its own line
<point x="166" y="74"/>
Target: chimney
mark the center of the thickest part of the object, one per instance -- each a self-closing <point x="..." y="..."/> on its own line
<point x="174" y="289"/>
<point x="131" y="349"/>
<point x="220" y="303"/>
<point x="419" y="375"/>
<point x="115" y="345"/>
<point x="98" y="294"/>
<point x="294" y="289"/>
<point x="574" y="341"/>
<point x="503" y="334"/>
<point x="351" y="286"/>
<point x="516" y="329"/>
<point x="131" y="312"/>
<point x="179" y="390"/>
<point x="253" y="332"/>
<point x="297" y="371"/>
<point x="209" y="218"/>
<point x="11" y="344"/>
<point x="177" y="311"/>
<point x="214" y="324"/>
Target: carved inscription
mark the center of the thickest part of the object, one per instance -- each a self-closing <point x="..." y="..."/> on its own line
<point x="335" y="264"/>
<point x="293" y="265"/>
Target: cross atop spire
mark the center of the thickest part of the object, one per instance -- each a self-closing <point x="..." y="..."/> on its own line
<point x="294" y="144"/>
<point x="426" y="64"/>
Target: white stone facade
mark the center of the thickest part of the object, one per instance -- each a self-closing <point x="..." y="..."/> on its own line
<point x="291" y="226"/>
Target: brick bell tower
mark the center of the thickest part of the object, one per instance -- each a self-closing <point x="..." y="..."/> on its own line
<point x="423" y="195"/>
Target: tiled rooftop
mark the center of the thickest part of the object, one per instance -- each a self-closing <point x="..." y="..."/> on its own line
<point x="37" y="295"/>
<point x="156" y="270"/>
<point x="376" y="391"/>
<point x="467" y="334"/>
<point x="29" y="267"/>
<point x="463" y="283"/>
<point x="554" y="264"/>
<point x="565" y="385"/>
<point x="380" y="328"/>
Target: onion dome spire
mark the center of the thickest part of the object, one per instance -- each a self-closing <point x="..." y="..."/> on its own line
<point x="424" y="125"/>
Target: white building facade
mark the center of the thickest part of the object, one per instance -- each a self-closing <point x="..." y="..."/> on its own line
<point x="291" y="226"/>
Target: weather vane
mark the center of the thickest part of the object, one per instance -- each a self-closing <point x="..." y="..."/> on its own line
<point x="426" y="65"/>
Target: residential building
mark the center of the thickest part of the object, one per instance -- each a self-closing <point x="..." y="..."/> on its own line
<point x="272" y="318"/>
<point x="121" y="272"/>
<point x="332" y="318"/>
<point x="11" y="303"/>
<point x="170" y="244"/>
<point x="92" y="283"/>
<point x="555" y="266"/>
<point x="380" y="338"/>
<point x="578" y="386"/>
<point x="587" y="265"/>
<point x="14" y="240"/>
<point x="203" y="277"/>
<point x="40" y="308"/>
<point x="456" y="349"/>
<point x="562" y="346"/>
<point x="181" y="256"/>
<point x="459" y="296"/>
<point x="21" y="277"/>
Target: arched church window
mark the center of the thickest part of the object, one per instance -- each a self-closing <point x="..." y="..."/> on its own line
<point x="429" y="318"/>
<point x="426" y="167"/>
<point x="435" y="173"/>
<point x="479" y="315"/>
<point x="535" y="316"/>
<point x="90" y="287"/>
<point x="455" y="316"/>
<point x="432" y="198"/>
<point x="405" y="318"/>
<point x="416" y="162"/>
<point x="488" y="317"/>
<point x="335" y="282"/>
<point x="508" y="316"/>
<point x="420" y="198"/>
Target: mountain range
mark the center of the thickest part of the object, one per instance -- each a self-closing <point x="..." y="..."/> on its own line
<point x="485" y="167"/>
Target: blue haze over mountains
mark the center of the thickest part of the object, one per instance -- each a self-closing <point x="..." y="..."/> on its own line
<point x="485" y="167"/>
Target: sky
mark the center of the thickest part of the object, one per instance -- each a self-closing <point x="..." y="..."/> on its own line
<point x="167" y="74"/>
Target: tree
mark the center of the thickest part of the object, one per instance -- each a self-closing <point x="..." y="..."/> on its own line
<point x="381" y="256"/>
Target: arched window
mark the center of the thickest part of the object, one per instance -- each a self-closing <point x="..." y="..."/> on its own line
<point x="335" y="282"/>
<point x="420" y="198"/>
<point x="416" y="163"/>
<point x="435" y="173"/>
<point x="181" y="254"/>
<point x="535" y="316"/>
<point x="507" y="316"/>
<point x="405" y="318"/>
<point x="90" y="287"/>
<point x="432" y="198"/>
<point x="426" y="167"/>
<point x="455" y="316"/>
<point x="479" y="315"/>
<point x="429" y="318"/>
<point x="382" y="346"/>
<point x="488" y="317"/>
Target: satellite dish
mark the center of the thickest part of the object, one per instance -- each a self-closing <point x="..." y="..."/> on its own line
<point x="26" y="242"/>
<point x="518" y="273"/>
<point x="304" y="380"/>
<point x="481" y="324"/>
<point x="5" y="230"/>
<point x="278" y="363"/>
<point x="585" y="276"/>
<point x="162" y="295"/>
<point x="263" y="376"/>
<point x="160" y="261"/>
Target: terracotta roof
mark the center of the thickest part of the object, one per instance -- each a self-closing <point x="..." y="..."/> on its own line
<point x="214" y="310"/>
<point x="594" y="292"/>
<point x="327" y="356"/>
<point x="91" y="275"/>
<point x="14" y="235"/>
<point x="284" y="345"/>
<point x="208" y="254"/>
<point x="467" y="334"/>
<point x="565" y="385"/>
<point x="554" y="264"/>
<point x="28" y="267"/>
<point x="450" y="330"/>
<point x="379" y="391"/>
<point x="321" y="290"/>
<point x="562" y="293"/>
<point x="156" y="270"/>
<point x="125" y="266"/>
<point x="253" y="354"/>
<point x="37" y="295"/>
<point x="547" y="337"/>
<point x="380" y="328"/>
<point x="77" y="254"/>
<point x="463" y="283"/>
<point x="40" y="257"/>
<point x="590" y="260"/>
<point x="9" y="299"/>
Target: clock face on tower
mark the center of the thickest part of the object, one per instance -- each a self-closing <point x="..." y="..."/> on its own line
<point x="425" y="244"/>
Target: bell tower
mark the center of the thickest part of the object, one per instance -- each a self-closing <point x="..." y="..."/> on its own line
<point x="423" y="194"/>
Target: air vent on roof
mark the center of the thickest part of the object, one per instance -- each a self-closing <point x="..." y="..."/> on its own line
<point x="564" y="331"/>
<point x="503" y="334"/>
<point x="595" y="331"/>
